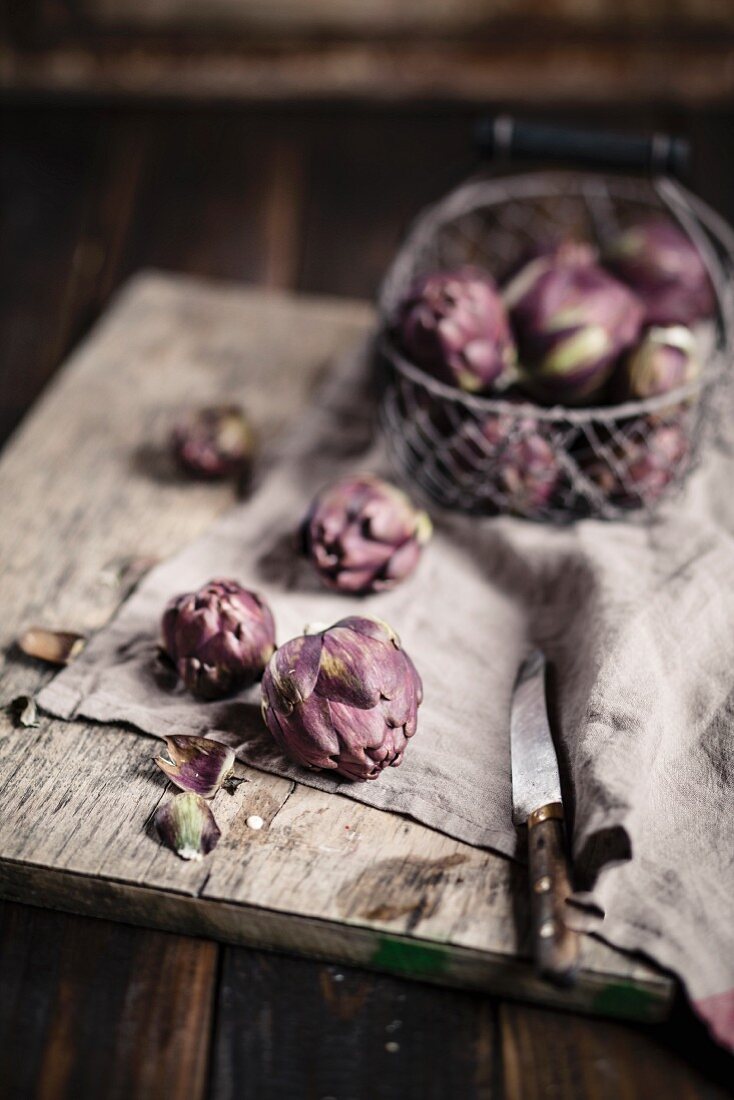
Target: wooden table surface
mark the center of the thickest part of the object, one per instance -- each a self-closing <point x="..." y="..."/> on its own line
<point x="313" y="199"/>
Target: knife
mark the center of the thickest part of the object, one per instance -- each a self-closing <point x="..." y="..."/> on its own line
<point x="537" y="804"/>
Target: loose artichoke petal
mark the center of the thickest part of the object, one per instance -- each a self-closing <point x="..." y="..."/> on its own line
<point x="24" y="710"/>
<point x="197" y="764"/>
<point x="58" y="647"/>
<point x="186" y="824"/>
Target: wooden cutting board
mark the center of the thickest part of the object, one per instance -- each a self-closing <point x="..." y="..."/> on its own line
<point x="87" y="495"/>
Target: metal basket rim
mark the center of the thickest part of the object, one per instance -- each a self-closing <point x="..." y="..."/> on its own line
<point x="472" y="195"/>
<point x="527" y="407"/>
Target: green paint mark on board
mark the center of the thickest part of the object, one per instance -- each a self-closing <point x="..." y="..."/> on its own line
<point x="623" y="999"/>
<point x="411" y="959"/>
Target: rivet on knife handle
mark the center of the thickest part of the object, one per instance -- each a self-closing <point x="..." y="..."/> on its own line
<point x="555" y="945"/>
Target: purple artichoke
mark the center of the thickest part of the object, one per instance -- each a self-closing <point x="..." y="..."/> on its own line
<point x="364" y="535"/>
<point x="219" y="638"/>
<point x="345" y="699"/>
<point x="663" y="266"/>
<point x="214" y="443"/>
<point x="664" y="360"/>
<point x="560" y="249"/>
<point x="512" y="457"/>
<point x="572" y="320"/>
<point x="640" y="468"/>
<point x="453" y="324"/>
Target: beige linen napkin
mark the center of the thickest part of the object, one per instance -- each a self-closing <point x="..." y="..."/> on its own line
<point x="637" y="620"/>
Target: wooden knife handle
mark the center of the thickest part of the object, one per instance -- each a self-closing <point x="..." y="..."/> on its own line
<point x="555" y="946"/>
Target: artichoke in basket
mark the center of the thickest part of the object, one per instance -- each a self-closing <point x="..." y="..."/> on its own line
<point x="215" y="442"/>
<point x="665" y="269"/>
<point x="364" y="535"/>
<point x="634" y="470"/>
<point x="345" y="699"/>
<point x="664" y="360"/>
<point x="572" y="320"/>
<point x="453" y="324"/>
<point x="220" y="638"/>
<point x="509" y="458"/>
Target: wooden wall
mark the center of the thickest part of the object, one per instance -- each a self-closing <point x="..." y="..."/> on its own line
<point x="522" y="50"/>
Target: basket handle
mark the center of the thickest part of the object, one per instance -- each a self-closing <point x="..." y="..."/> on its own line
<point x="502" y="137"/>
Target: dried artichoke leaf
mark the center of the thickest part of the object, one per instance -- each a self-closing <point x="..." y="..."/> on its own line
<point x="187" y="826"/>
<point x="57" y="647"/>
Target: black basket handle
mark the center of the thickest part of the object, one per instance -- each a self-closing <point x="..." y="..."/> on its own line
<point x="504" y="138"/>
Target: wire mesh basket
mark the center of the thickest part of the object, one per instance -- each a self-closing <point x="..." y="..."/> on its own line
<point x="489" y="455"/>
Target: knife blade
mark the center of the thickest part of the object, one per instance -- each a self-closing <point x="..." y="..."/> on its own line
<point x="538" y="805"/>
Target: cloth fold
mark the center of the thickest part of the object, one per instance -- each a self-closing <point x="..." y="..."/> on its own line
<point x="637" y="621"/>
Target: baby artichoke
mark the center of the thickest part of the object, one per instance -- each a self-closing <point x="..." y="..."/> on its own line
<point x="220" y="638"/>
<point x="453" y="324"/>
<point x="664" y="268"/>
<point x="512" y="456"/>
<point x="639" y="468"/>
<point x="214" y="442"/>
<point x="572" y="320"/>
<point x="363" y="534"/>
<point x="664" y="360"/>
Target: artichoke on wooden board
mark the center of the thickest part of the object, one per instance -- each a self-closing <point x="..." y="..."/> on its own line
<point x="215" y="442"/>
<point x="344" y="699"/>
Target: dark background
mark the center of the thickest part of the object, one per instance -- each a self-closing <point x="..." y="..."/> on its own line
<point x="309" y="197"/>
<point x="293" y="156"/>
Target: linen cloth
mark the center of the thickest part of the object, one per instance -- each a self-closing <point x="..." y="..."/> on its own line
<point x="636" y="620"/>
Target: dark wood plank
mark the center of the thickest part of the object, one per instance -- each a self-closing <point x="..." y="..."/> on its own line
<point x="47" y="179"/>
<point x="552" y="1054"/>
<point x="310" y="197"/>
<point x="316" y="197"/>
<point x="370" y="173"/>
<point x="89" y="197"/>
<point x="90" y="1008"/>
<point x="289" y="1028"/>
<point x="368" y="18"/>
<point x="712" y="137"/>
<point x="205" y="193"/>
<point x="531" y="68"/>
